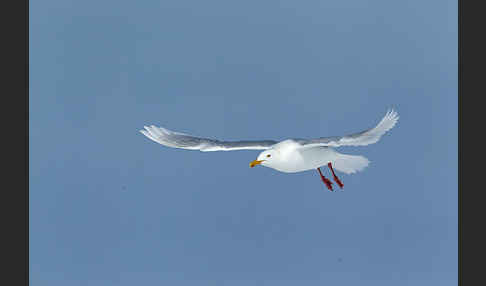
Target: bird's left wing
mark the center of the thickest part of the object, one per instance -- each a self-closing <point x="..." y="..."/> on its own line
<point x="366" y="137"/>
<point x="184" y="141"/>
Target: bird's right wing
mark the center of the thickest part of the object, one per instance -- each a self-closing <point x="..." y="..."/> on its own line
<point x="366" y="137"/>
<point x="184" y="141"/>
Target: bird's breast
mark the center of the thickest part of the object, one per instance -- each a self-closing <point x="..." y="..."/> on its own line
<point x="304" y="159"/>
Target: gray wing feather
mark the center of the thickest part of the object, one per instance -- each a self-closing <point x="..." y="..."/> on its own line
<point x="366" y="137"/>
<point x="180" y="140"/>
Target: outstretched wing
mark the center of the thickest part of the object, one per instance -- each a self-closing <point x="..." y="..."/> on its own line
<point x="366" y="137"/>
<point x="184" y="141"/>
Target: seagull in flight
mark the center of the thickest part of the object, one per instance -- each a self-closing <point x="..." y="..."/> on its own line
<point x="290" y="155"/>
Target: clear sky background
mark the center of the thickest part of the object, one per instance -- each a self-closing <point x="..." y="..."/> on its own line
<point x="110" y="207"/>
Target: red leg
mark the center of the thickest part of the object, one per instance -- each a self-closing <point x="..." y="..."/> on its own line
<point x="326" y="181"/>
<point x="334" y="175"/>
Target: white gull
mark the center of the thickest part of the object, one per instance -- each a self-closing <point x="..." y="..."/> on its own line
<point x="290" y="155"/>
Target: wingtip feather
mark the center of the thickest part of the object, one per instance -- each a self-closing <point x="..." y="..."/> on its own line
<point x="390" y="119"/>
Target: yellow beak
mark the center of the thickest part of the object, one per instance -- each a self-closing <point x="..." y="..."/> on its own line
<point x="255" y="162"/>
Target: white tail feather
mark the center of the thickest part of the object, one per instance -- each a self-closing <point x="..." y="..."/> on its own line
<point x="350" y="163"/>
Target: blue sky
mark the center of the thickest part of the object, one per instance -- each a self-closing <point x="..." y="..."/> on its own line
<point x="110" y="207"/>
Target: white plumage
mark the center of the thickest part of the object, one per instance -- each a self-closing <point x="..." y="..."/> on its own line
<point x="291" y="155"/>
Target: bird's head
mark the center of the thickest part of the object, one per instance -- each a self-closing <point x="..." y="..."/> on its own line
<point x="266" y="158"/>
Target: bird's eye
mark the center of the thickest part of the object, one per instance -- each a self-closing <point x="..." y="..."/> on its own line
<point x="268" y="156"/>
